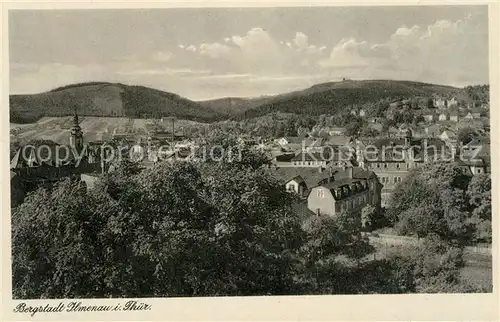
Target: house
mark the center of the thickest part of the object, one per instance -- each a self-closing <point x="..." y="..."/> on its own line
<point x="44" y="162"/>
<point x="468" y="116"/>
<point x="311" y="159"/>
<point x="362" y="113"/>
<point x="302" y="131"/>
<point x="296" y="185"/>
<point x="393" y="131"/>
<point x="471" y="164"/>
<point x="454" y="116"/>
<point x="300" y="180"/>
<point x="376" y="126"/>
<point x="392" y="159"/>
<point x="374" y="120"/>
<point x="443" y="116"/>
<point x="354" y="112"/>
<point x="336" y="130"/>
<point x="396" y="104"/>
<point x="349" y="189"/>
<point x="294" y="143"/>
<point x="315" y="146"/>
<point x="451" y="103"/>
<point x="432" y="130"/>
<point x="440" y="103"/>
<point x="428" y="115"/>
<point x="337" y="140"/>
<point x="476" y="114"/>
<point x="448" y="135"/>
<point x="90" y="180"/>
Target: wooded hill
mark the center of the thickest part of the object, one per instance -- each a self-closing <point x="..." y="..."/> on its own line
<point x="115" y="99"/>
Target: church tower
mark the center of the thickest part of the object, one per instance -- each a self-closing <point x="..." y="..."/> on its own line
<point x="76" y="136"/>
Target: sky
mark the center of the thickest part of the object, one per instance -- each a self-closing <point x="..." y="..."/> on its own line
<point x="206" y="53"/>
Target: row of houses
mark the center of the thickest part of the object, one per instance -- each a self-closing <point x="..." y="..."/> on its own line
<point x="453" y="115"/>
<point x="390" y="158"/>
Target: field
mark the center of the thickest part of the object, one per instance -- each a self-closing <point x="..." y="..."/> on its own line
<point x="94" y="128"/>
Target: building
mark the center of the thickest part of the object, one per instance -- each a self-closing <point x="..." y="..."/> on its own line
<point x="392" y="159"/>
<point x="440" y="103"/>
<point x="432" y="130"/>
<point x="428" y="115"/>
<point x="294" y="143"/>
<point x="362" y="113"/>
<point x="454" y="116"/>
<point x="336" y="131"/>
<point x="349" y="189"/>
<point x="443" y="116"/>
<point x="44" y="162"/>
<point x="451" y="103"/>
<point x="300" y="179"/>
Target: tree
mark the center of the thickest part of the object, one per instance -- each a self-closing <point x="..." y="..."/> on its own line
<point x="467" y="134"/>
<point x="367" y="216"/>
<point x="432" y="200"/>
<point x="355" y="127"/>
<point x="479" y="195"/>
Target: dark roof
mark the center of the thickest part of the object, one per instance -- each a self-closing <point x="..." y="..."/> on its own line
<point x="298" y="179"/>
<point x="285" y="157"/>
<point x="346" y="187"/>
<point x="49" y="154"/>
<point x="311" y="176"/>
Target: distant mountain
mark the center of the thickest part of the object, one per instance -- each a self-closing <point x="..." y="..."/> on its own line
<point x="231" y="106"/>
<point x="115" y="99"/>
<point x="335" y="97"/>
<point x="108" y="99"/>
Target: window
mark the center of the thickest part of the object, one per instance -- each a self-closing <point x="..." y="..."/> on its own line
<point x="320" y="193"/>
<point x="385" y="165"/>
<point x="397" y="165"/>
<point x="478" y="170"/>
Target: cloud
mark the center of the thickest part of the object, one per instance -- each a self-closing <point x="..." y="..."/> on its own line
<point x="300" y="41"/>
<point x="347" y="53"/>
<point x="162" y="56"/>
<point x="215" y="50"/>
<point x="443" y="49"/>
<point x="191" y="48"/>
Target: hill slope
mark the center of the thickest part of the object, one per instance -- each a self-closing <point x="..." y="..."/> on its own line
<point x="107" y="99"/>
<point x="335" y="97"/>
<point x="232" y="106"/>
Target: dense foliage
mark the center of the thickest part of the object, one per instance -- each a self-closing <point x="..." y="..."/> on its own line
<point x="440" y="199"/>
<point x="204" y="228"/>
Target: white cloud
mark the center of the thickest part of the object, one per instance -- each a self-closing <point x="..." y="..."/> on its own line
<point x="162" y="56"/>
<point x="443" y="49"/>
<point x="300" y="41"/>
<point x="181" y="46"/>
<point x="347" y="53"/>
<point x="191" y="48"/>
<point x="215" y="50"/>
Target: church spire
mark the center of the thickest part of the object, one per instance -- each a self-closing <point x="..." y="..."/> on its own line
<point x="75" y="119"/>
<point x="76" y="136"/>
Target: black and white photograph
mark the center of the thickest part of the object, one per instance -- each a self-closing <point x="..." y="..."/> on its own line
<point x="249" y="151"/>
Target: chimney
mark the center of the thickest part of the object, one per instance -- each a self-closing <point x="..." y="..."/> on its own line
<point x="350" y="172"/>
<point x="329" y="175"/>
